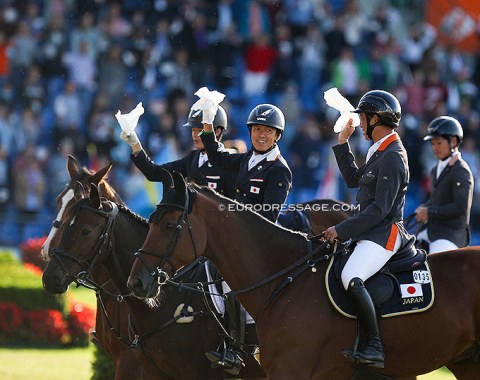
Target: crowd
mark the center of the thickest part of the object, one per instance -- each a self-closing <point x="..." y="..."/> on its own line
<point x="67" y="67"/>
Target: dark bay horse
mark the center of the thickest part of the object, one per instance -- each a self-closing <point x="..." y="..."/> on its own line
<point x="300" y="334"/>
<point x="106" y="329"/>
<point x="95" y="233"/>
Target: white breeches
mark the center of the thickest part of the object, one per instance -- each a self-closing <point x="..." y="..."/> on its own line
<point x="218" y="301"/>
<point x="367" y="259"/>
<point x="439" y="245"/>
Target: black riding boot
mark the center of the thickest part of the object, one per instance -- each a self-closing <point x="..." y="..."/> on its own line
<point x="370" y="352"/>
<point x="230" y="356"/>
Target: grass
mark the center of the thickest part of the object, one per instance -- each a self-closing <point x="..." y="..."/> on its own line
<point x="45" y="364"/>
<point x="440" y="374"/>
<point x="82" y="294"/>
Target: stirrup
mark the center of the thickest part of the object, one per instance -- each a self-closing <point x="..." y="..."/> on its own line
<point x="229" y="360"/>
<point x="358" y="359"/>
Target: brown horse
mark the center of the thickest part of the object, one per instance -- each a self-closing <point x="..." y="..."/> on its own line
<point x="109" y="233"/>
<point x="300" y="334"/>
<point x="106" y="329"/>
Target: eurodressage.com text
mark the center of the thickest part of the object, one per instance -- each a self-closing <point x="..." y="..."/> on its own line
<point x="232" y="207"/>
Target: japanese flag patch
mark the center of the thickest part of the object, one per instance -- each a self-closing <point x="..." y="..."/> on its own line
<point x="254" y="190"/>
<point x="212" y="185"/>
<point x="411" y="290"/>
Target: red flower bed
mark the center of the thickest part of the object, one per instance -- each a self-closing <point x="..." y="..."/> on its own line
<point x="46" y="326"/>
<point x="31" y="252"/>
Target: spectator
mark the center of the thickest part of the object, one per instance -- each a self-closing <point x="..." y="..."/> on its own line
<point x="260" y="57"/>
<point x="112" y="75"/>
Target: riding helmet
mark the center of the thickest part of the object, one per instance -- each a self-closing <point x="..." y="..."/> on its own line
<point x="268" y="115"/>
<point x="195" y="119"/>
<point x="382" y="103"/>
<point x="445" y="126"/>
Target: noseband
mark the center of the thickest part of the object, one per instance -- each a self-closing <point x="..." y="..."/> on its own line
<point x="158" y="272"/>
<point x="103" y="243"/>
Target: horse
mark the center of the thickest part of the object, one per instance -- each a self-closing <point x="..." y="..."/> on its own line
<point x="109" y="234"/>
<point x="314" y="216"/>
<point x="111" y="316"/>
<point x="300" y="334"/>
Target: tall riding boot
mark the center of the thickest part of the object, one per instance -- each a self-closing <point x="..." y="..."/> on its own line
<point x="370" y="352"/>
<point x="230" y="356"/>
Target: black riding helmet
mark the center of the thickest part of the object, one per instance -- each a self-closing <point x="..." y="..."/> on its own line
<point x="446" y="127"/>
<point x="195" y="119"/>
<point x="383" y="104"/>
<point x="268" y="115"/>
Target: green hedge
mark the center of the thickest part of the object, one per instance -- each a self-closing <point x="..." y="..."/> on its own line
<point x="24" y="288"/>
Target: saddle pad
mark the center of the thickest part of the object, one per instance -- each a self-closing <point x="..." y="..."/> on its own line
<point x="413" y="293"/>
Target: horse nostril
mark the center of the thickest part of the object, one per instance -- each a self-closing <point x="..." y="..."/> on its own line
<point x="134" y="283"/>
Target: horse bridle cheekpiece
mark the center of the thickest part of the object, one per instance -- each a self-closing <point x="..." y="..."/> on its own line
<point x="169" y="202"/>
<point x="103" y="244"/>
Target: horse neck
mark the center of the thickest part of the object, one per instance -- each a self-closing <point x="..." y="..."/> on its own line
<point x="251" y="251"/>
<point x="127" y="237"/>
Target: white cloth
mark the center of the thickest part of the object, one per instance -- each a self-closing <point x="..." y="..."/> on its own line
<point x="442" y="164"/>
<point x="129" y="121"/>
<point x="334" y="99"/>
<point x="208" y="103"/>
<point x="256" y="158"/>
<point x="367" y="259"/>
<point x="375" y="146"/>
<point x="439" y="245"/>
<point x="202" y="159"/>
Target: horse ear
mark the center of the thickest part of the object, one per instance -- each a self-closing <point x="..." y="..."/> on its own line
<point x="167" y="180"/>
<point x="94" y="196"/>
<point x="72" y="167"/>
<point x="180" y="187"/>
<point x="101" y="174"/>
<point x="79" y="191"/>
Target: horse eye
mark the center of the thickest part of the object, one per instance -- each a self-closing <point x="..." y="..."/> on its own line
<point x="86" y="231"/>
<point x="170" y="225"/>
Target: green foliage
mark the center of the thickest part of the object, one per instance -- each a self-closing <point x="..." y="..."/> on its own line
<point x="102" y="365"/>
<point x="25" y="288"/>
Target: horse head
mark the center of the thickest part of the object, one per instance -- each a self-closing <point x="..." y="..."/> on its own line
<point x="170" y="243"/>
<point x="66" y="198"/>
<point x="84" y="234"/>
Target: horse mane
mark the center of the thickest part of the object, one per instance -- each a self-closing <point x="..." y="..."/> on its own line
<point x="253" y="217"/>
<point x="124" y="209"/>
<point x="106" y="189"/>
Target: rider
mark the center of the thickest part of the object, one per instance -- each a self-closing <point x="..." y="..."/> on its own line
<point x="378" y="227"/>
<point x="194" y="165"/>
<point x="262" y="178"/>
<point x="447" y="213"/>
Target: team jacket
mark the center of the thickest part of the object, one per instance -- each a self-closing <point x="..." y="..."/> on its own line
<point x="382" y="185"/>
<point x="450" y="203"/>
<point x="214" y="177"/>
<point x="267" y="183"/>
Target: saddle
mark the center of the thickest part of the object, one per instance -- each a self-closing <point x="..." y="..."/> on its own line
<point x="404" y="285"/>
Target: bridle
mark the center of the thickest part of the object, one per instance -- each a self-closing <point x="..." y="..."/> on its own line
<point x="102" y="246"/>
<point x="165" y="258"/>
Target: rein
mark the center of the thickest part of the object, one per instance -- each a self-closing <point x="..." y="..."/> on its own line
<point x="158" y="272"/>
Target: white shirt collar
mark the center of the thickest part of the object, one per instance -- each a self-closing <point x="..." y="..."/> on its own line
<point x="270" y="156"/>
<point x="375" y="146"/>
<point x="202" y="158"/>
<point x="442" y="164"/>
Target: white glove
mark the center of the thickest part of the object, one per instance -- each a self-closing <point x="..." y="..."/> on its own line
<point x="208" y="103"/>
<point x="335" y="100"/>
<point x="131" y="139"/>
